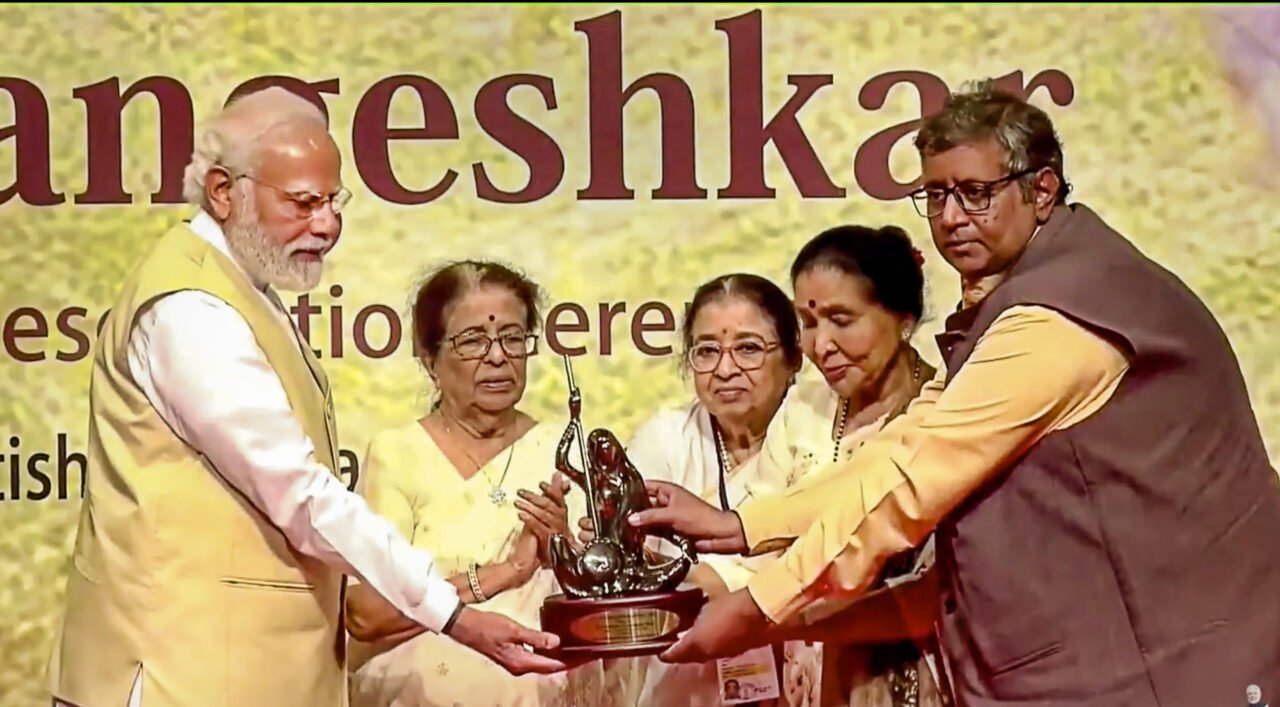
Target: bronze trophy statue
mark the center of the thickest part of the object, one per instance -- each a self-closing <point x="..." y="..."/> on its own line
<point x="614" y="602"/>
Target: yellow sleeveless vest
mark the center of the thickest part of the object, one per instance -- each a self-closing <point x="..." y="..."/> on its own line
<point x="173" y="572"/>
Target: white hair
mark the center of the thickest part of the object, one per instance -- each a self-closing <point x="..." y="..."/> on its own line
<point x="230" y="138"/>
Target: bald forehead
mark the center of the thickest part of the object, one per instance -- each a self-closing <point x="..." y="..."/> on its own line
<point x="296" y="138"/>
<point x="299" y="155"/>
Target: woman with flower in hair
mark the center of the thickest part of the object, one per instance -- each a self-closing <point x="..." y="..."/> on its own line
<point x="859" y="294"/>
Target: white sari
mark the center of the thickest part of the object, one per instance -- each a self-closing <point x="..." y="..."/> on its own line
<point x="679" y="446"/>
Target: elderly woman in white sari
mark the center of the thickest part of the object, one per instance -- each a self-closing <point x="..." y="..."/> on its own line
<point x="473" y="480"/>
<point x="742" y="349"/>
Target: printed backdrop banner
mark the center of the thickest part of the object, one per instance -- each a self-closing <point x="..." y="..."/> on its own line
<point x="618" y="156"/>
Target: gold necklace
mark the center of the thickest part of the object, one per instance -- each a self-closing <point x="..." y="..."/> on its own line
<point x="842" y="415"/>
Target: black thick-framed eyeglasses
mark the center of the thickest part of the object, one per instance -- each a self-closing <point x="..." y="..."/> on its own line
<point x="472" y="345"/>
<point x="974" y="196"/>
<point x="749" y="354"/>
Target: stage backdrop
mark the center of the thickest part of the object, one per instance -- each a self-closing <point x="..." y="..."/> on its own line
<point x="620" y="157"/>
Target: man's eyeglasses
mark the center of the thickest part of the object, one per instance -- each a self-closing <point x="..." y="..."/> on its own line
<point x="305" y="204"/>
<point x="973" y="196"/>
<point x="748" y="355"/>
<point x="473" y="345"/>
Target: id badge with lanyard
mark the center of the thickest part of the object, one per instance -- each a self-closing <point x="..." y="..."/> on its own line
<point x="751" y="676"/>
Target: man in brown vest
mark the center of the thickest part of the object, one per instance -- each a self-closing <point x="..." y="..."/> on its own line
<point x="1106" y="516"/>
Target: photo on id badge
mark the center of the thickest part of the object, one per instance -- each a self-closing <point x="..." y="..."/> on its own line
<point x="748" y="677"/>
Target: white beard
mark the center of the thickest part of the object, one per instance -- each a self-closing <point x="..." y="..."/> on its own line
<point x="262" y="259"/>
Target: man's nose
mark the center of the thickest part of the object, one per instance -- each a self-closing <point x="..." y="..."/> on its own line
<point x="952" y="216"/>
<point x="325" y="223"/>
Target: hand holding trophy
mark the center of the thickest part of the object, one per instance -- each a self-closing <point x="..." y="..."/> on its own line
<point x="614" y="603"/>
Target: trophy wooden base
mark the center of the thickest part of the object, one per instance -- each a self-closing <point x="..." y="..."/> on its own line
<point x="619" y="627"/>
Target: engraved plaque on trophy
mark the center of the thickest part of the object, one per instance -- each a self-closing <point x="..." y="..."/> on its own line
<point x="617" y="600"/>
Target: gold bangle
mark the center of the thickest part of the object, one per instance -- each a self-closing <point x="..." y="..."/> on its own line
<point x="473" y="578"/>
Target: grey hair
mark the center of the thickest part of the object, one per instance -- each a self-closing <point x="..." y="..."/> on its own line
<point x="980" y="112"/>
<point x="230" y="138"/>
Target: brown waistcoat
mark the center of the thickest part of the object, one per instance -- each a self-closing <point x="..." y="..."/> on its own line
<point x="1132" y="559"/>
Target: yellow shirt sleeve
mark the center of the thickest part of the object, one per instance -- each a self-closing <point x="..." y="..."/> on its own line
<point x="1033" y="371"/>
<point x="772" y="522"/>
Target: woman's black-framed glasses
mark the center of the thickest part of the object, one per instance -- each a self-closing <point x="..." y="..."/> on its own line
<point x="749" y="354"/>
<point x="472" y="345"/>
<point x="974" y="196"/>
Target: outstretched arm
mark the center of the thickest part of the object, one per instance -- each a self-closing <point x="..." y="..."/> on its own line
<point x="371" y="618"/>
<point x="1032" y="372"/>
<point x="254" y="442"/>
<point x="182" y="352"/>
<point x="675" y="508"/>
<point x="904" y="612"/>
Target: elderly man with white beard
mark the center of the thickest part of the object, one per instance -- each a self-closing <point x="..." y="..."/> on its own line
<point x="210" y="560"/>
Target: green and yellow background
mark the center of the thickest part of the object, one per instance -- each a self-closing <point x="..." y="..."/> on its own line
<point x="1170" y="137"/>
